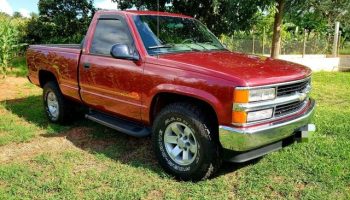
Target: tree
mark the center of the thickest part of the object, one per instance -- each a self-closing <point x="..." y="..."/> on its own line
<point x="277" y="27"/>
<point x="221" y="16"/>
<point x="282" y="7"/>
<point x="142" y="4"/>
<point x="321" y="15"/>
<point x="306" y="17"/>
<point x="17" y="14"/>
<point x="331" y="10"/>
<point x="61" y="21"/>
<point x="228" y="16"/>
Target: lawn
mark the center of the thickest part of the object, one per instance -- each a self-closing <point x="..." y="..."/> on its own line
<point x="41" y="160"/>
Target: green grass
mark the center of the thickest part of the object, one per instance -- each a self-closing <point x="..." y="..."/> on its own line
<point x="23" y="117"/>
<point x="344" y="51"/>
<point x="102" y="164"/>
<point x="19" y="67"/>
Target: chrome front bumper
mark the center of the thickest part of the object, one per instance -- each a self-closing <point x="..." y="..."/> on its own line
<point x="245" y="139"/>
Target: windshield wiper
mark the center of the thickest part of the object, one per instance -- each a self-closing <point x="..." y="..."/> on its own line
<point x="160" y="46"/>
<point x="200" y="45"/>
<point x="189" y="46"/>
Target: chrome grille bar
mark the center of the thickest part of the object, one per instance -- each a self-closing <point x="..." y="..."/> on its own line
<point x="291" y="98"/>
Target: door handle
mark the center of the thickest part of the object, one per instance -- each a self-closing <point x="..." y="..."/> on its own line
<point x="86" y="65"/>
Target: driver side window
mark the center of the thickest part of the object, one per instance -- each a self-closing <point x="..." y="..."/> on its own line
<point x="107" y="33"/>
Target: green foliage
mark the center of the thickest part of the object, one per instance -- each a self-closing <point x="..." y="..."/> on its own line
<point x="221" y="16"/>
<point x="316" y="17"/>
<point x="9" y="42"/>
<point x="67" y="21"/>
<point x="60" y="21"/>
<point x="142" y="4"/>
<point x="231" y="18"/>
<point x="18" y="67"/>
<point x="17" y="15"/>
<point x="345" y="48"/>
<point x="321" y="15"/>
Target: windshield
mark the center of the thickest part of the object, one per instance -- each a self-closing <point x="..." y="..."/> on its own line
<point x="175" y="35"/>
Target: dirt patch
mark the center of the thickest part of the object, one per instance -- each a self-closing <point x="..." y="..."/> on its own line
<point x="139" y="148"/>
<point x="300" y="186"/>
<point x="79" y="138"/>
<point x="16" y="87"/>
<point x="277" y="179"/>
<point x="154" y="194"/>
<point x="89" y="163"/>
<point x="26" y="151"/>
<point x="82" y="138"/>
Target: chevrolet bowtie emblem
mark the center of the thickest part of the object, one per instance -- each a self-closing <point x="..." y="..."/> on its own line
<point x="302" y="96"/>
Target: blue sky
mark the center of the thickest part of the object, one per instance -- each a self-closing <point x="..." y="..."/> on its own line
<point x="25" y="7"/>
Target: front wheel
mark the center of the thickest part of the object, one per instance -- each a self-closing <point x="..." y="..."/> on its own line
<point x="185" y="142"/>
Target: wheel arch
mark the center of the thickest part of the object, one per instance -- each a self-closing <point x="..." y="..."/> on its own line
<point x="164" y="98"/>
<point x="46" y="76"/>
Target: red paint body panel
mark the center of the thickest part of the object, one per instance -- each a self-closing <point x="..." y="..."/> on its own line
<point x="161" y="79"/>
<point x="127" y="88"/>
<point x="112" y="85"/>
<point x="253" y="70"/>
<point x="62" y="62"/>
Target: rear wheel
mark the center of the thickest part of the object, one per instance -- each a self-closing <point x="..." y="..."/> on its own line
<point x="57" y="108"/>
<point x="185" y="142"/>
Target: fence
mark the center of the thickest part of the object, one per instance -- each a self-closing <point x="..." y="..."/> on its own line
<point x="260" y="45"/>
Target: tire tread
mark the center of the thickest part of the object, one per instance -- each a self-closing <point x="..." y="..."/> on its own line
<point x="201" y="119"/>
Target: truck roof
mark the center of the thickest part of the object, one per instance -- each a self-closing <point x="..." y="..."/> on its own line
<point x="137" y="12"/>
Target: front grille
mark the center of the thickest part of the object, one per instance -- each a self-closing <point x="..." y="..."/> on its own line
<point x="284" y="90"/>
<point x="289" y="108"/>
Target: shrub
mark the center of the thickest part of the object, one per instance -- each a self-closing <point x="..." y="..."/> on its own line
<point x="9" y="37"/>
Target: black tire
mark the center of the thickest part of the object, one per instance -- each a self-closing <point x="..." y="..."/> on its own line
<point x="64" y="107"/>
<point x="208" y="157"/>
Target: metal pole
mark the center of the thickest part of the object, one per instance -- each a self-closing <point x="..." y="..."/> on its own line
<point x="335" y="41"/>
<point x="253" y="44"/>
<point x="158" y="22"/>
<point x="304" y="43"/>
<point x="339" y="43"/>
<point x="263" y="42"/>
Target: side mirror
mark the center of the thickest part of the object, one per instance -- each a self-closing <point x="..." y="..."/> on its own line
<point x="122" y="51"/>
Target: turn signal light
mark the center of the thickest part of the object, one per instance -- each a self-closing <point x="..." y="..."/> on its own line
<point x="239" y="117"/>
<point x="241" y="96"/>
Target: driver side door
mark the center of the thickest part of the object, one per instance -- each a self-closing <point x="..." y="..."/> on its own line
<point x="108" y="84"/>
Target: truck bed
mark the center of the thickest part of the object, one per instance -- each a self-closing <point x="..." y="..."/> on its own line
<point x="67" y="46"/>
<point x="60" y="59"/>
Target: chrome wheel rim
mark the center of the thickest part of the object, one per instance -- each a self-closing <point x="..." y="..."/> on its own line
<point x="52" y="105"/>
<point x="180" y="143"/>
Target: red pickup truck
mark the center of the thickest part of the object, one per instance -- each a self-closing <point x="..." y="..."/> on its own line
<point x="166" y="75"/>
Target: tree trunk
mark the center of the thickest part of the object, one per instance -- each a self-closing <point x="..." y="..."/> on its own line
<point x="276" y="39"/>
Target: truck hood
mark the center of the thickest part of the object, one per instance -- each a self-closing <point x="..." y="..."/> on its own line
<point x="249" y="69"/>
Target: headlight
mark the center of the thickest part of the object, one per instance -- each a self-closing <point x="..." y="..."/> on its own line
<point x="241" y="117"/>
<point x="245" y="96"/>
<point x="259" y="115"/>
